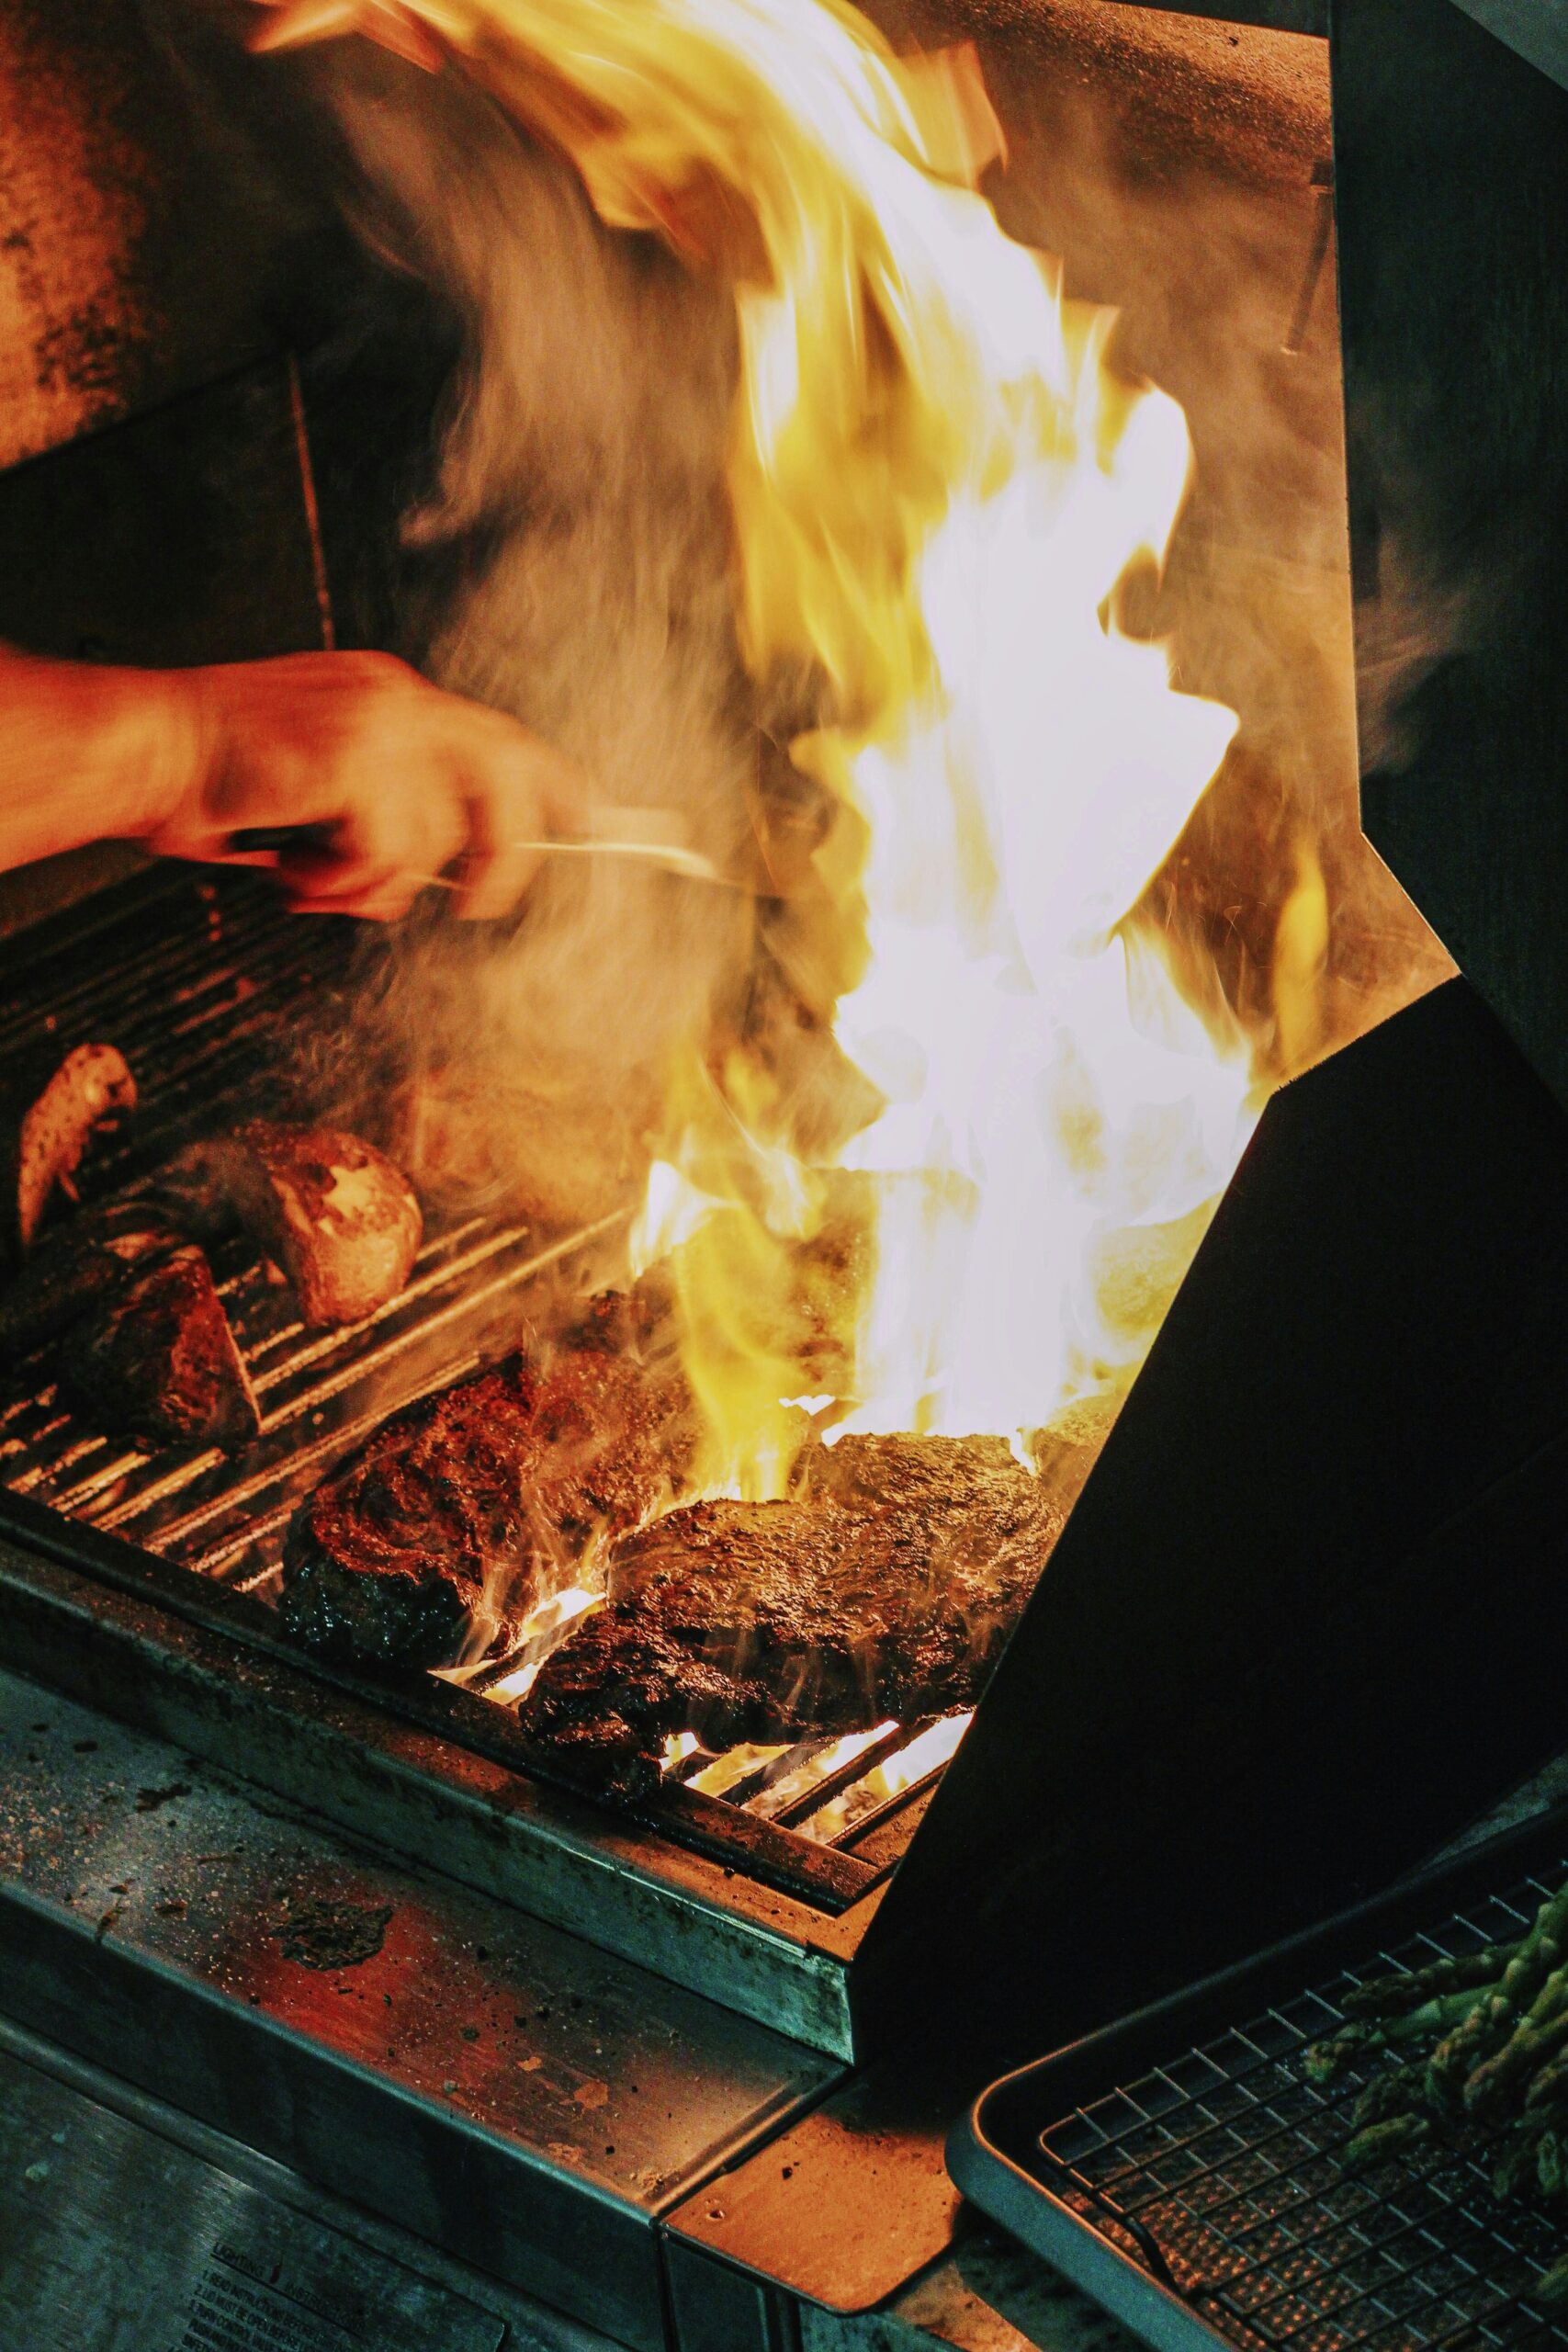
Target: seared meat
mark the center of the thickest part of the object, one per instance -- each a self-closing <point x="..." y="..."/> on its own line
<point x="76" y="1266"/>
<point x="147" y="1344"/>
<point x="886" y="1588"/>
<point x="158" y="1357"/>
<point x="402" y="1556"/>
<point x="331" y="1210"/>
<point x="45" y="1129"/>
<point x="433" y="1541"/>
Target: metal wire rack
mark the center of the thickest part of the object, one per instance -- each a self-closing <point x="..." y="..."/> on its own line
<point x="1221" y="2172"/>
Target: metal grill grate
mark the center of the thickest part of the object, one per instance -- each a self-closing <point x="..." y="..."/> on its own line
<point x="201" y="980"/>
<point x="1221" y="2172"/>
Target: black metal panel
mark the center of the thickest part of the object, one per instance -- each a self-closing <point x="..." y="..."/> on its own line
<point x="180" y="536"/>
<point x="1452" y="160"/>
<point x="1306" y="1616"/>
<point x="1537" y="28"/>
<point x="715" y="2309"/>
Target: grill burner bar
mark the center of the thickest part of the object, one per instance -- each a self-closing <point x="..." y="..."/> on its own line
<point x="200" y="980"/>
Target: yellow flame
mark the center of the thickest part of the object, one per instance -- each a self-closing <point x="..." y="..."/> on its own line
<point x="1301" y="962"/>
<point x="787" y="1791"/>
<point x="926" y="1753"/>
<point x="549" y="1618"/>
<point x="938" y="489"/>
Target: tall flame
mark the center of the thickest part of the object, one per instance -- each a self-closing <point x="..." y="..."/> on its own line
<point x="939" y="492"/>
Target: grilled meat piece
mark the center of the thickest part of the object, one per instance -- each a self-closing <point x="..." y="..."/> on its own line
<point x="75" y="1268"/>
<point x="400" y="1557"/>
<point x="146" y="1343"/>
<point x="885" y="1587"/>
<point x="434" y="1541"/>
<point x="158" y="1357"/>
<point x="330" y="1209"/>
<point x="45" y="1132"/>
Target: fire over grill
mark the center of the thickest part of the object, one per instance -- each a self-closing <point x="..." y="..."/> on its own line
<point x="1314" y="1542"/>
<point x="199" y="981"/>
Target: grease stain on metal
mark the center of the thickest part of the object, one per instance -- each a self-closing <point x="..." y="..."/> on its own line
<point x="319" y="1932"/>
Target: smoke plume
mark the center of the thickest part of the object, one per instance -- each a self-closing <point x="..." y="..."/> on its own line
<point x="581" y="446"/>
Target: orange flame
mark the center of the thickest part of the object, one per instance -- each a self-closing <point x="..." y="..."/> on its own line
<point x="938" y="489"/>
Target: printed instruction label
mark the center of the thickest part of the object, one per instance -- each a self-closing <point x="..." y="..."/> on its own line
<point x="232" y="2312"/>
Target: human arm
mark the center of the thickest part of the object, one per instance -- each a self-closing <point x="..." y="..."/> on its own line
<point x="399" y="779"/>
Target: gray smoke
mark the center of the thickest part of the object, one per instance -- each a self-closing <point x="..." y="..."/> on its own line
<point x="583" y="442"/>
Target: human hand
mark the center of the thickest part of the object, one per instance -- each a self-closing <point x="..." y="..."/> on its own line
<point x="399" y="779"/>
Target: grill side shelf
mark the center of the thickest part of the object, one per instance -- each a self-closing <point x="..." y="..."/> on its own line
<point x="1068" y="2154"/>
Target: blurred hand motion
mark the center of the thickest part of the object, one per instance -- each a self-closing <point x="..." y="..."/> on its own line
<point x="400" y="783"/>
<point x="372" y="784"/>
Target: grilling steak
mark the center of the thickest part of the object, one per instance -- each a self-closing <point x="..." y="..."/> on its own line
<point x="75" y="1268"/>
<point x="158" y="1357"/>
<point x="432" y="1541"/>
<point x="330" y="1209"/>
<point x="885" y="1587"/>
<point x="143" y="1340"/>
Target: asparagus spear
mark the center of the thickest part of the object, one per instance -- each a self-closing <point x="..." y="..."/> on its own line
<point x="1538" y="2035"/>
<point x="1434" y="2017"/>
<point x="1493" y="2019"/>
<point x="1551" y="2287"/>
<point x="1389" y="1997"/>
<point x="1396" y="2091"/>
<point x="1516" y="2168"/>
<point x="1391" y="2137"/>
<point x="1325" y="2061"/>
<point x="1549" y="2086"/>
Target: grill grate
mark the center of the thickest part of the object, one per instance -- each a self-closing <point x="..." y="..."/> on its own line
<point x="201" y="980"/>
<point x="1220" y="2172"/>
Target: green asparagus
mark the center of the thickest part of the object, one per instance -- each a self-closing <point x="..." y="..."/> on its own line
<point x="1393" y="1995"/>
<point x="1391" y="2137"/>
<point x="1396" y="2091"/>
<point x="1433" y="2017"/>
<point x="1325" y="2061"/>
<point x="1540" y="2035"/>
<point x="1548" y="2087"/>
<point x="1551" y="2287"/>
<point x="1514" y="2171"/>
<point x="1471" y="2045"/>
<point x="1493" y="2016"/>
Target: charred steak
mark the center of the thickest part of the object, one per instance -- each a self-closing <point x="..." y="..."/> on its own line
<point x="78" y="1267"/>
<point x="157" y="1357"/>
<point x="885" y="1587"/>
<point x="434" y="1541"/>
<point x="123" y="1287"/>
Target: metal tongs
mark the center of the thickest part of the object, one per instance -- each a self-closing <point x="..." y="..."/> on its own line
<point x="612" y="833"/>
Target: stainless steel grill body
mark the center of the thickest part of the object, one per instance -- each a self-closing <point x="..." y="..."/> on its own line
<point x="203" y="981"/>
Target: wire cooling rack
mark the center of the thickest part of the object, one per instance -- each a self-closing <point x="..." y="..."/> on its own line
<point x="1214" y="2179"/>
